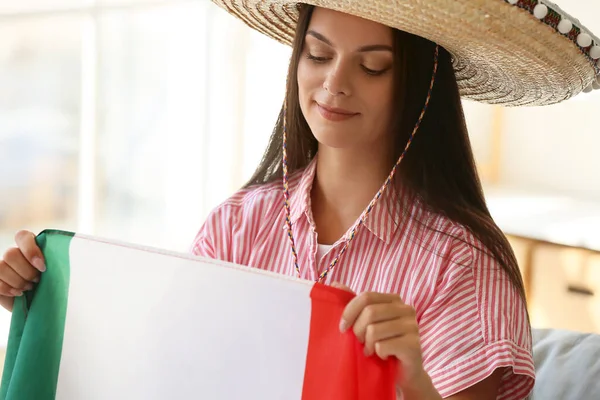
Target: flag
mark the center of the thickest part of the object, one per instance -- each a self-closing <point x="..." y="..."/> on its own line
<point x="111" y="320"/>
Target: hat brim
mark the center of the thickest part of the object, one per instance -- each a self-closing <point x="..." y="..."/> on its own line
<point x="502" y="53"/>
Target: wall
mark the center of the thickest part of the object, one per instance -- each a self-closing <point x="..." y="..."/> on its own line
<point x="554" y="148"/>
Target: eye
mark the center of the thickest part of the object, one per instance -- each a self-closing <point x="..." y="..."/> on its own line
<point x="374" y="72"/>
<point x="316" y="59"/>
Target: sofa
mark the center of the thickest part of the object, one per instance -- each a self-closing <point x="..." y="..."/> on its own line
<point x="567" y="365"/>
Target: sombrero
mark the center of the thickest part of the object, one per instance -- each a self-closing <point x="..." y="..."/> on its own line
<point x="507" y="52"/>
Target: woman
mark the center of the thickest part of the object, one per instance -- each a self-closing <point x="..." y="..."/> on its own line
<point x="438" y="285"/>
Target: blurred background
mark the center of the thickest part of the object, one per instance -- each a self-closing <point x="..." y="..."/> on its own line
<point x="132" y="119"/>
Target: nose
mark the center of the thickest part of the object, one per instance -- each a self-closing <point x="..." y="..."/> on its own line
<point x="337" y="80"/>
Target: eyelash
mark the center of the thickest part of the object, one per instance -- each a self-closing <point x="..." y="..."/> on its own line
<point x="321" y="60"/>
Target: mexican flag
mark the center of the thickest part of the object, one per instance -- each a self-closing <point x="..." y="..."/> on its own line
<point x="112" y="320"/>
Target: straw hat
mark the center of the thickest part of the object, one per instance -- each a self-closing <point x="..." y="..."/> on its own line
<point x="509" y="52"/>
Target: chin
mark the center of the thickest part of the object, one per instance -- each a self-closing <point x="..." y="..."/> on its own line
<point x="334" y="138"/>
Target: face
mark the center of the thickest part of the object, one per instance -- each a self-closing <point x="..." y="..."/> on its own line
<point x="345" y="80"/>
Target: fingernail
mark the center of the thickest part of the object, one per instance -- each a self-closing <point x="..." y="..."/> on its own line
<point x="29" y="286"/>
<point x="343" y="326"/>
<point x="39" y="264"/>
<point x="16" y="293"/>
<point x="36" y="279"/>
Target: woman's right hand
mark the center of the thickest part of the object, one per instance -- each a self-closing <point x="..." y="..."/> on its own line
<point x="20" y="268"/>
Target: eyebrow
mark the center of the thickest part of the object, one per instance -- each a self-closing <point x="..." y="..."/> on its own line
<point x="362" y="49"/>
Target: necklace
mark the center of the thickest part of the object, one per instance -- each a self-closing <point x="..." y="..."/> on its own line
<point x="367" y="211"/>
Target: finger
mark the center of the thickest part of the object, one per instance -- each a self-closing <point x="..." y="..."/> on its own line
<point x="357" y="304"/>
<point x="7" y="302"/>
<point x="9" y="291"/>
<point x="384" y="331"/>
<point x="373" y="314"/>
<point x="396" y="346"/>
<point x="26" y="242"/>
<point x="12" y="279"/>
<point x="16" y="261"/>
<point x="341" y="286"/>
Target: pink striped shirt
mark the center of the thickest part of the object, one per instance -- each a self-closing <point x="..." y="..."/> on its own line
<point x="471" y="319"/>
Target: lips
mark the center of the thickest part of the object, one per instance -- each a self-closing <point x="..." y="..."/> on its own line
<point x="336" y="110"/>
<point x="335" y="114"/>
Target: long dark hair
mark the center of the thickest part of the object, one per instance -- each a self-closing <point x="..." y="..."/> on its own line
<point x="438" y="169"/>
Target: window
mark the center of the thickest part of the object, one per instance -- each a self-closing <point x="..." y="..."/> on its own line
<point x="40" y="85"/>
<point x="128" y="119"/>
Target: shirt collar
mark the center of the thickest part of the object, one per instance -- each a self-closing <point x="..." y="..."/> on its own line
<point x="300" y="197"/>
<point x="383" y="220"/>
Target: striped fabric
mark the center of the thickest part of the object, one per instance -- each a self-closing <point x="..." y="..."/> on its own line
<point x="472" y="320"/>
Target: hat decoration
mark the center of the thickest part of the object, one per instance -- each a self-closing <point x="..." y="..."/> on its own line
<point x="553" y="16"/>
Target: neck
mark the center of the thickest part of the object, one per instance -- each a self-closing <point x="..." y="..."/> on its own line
<point x="345" y="183"/>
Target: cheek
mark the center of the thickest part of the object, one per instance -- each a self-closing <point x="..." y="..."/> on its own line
<point x="308" y="81"/>
<point x="381" y="98"/>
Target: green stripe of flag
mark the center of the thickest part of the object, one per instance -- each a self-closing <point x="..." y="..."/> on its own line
<point x="37" y="327"/>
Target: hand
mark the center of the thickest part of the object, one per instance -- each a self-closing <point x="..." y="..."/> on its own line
<point x="21" y="266"/>
<point x="389" y="328"/>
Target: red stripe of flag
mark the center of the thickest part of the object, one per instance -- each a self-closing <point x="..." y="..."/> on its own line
<point x="336" y="367"/>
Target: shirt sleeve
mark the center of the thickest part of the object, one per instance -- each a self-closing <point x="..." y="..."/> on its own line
<point x="476" y="323"/>
<point x="214" y="237"/>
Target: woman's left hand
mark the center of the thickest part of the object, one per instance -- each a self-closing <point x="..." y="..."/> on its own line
<point x="388" y="328"/>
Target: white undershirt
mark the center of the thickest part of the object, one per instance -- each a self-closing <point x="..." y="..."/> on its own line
<point x="322" y="250"/>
